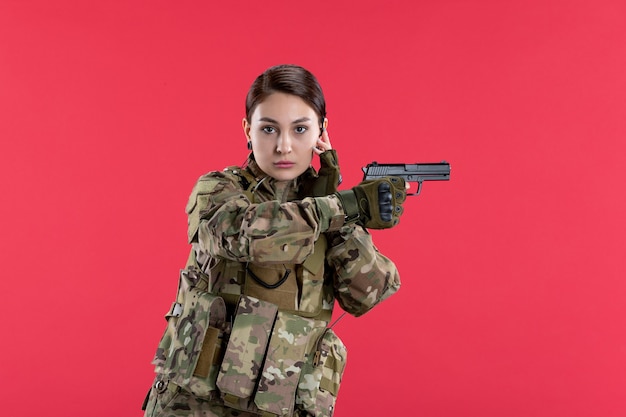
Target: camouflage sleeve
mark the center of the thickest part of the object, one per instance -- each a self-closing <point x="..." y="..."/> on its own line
<point x="224" y="223"/>
<point x="363" y="276"/>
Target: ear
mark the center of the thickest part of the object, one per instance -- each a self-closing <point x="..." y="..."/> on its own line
<point x="246" y="128"/>
<point x="324" y="126"/>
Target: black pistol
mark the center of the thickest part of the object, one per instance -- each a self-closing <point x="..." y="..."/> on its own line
<point x="420" y="172"/>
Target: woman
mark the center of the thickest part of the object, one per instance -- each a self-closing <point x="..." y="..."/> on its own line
<point x="273" y="245"/>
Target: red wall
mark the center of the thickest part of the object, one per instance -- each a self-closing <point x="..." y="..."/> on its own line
<point x="513" y="272"/>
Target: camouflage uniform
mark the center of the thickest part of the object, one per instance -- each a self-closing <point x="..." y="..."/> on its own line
<point x="248" y="335"/>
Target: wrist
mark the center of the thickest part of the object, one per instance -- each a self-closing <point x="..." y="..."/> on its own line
<point x="328" y="160"/>
<point x="349" y="204"/>
<point x="330" y="213"/>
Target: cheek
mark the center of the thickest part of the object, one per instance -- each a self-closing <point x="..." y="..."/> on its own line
<point x="262" y="146"/>
<point x="309" y="143"/>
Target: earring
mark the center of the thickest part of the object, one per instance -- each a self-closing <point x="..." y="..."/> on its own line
<point x="249" y="145"/>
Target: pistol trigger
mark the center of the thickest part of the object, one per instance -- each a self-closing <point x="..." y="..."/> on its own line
<point x="419" y="188"/>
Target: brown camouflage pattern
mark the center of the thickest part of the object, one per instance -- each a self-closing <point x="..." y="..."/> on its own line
<point x="321" y="375"/>
<point x="266" y="231"/>
<point x="246" y="351"/>
<point x="363" y="277"/>
<point x="199" y="311"/>
<point x="172" y="401"/>
<point x="280" y="360"/>
<point x="284" y="361"/>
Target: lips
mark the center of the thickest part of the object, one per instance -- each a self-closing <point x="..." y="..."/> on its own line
<point x="284" y="164"/>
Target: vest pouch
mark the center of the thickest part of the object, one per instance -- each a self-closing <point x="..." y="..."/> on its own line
<point x="164" y="345"/>
<point x="284" y="361"/>
<point x="321" y="376"/>
<point x="245" y="352"/>
<point x="194" y="352"/>
<point x="187" y="280"/>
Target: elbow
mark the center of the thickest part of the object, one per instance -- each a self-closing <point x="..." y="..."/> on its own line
<point x="358" y="300"/>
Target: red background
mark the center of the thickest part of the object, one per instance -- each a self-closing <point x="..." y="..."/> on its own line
<point x="513" y="297"/>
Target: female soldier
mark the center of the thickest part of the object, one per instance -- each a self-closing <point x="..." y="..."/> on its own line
<point x="273" y="245"/>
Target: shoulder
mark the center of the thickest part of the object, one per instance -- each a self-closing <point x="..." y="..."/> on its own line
<point x="211" y="190"/>
<point x="206" y="183"/>
<point x="214" y="182"/>
<point x="228" y="174"/>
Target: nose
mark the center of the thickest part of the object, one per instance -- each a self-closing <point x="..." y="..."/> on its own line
<point x="283" y="145"/>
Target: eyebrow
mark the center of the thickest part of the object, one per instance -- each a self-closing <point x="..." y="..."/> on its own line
<point x="270" y="120"/>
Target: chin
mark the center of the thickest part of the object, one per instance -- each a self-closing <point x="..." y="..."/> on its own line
<point x="283" y="176"/>
<point x="286" y="175"/>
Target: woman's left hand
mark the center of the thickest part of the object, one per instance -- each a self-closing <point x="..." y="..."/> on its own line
<point x="323" y="143"/>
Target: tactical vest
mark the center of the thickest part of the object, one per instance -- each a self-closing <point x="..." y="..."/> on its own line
<point x="252" y="337"/>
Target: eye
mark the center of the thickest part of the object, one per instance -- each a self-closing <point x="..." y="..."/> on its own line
<point x="301" y="129"/>
<point x="269" y="130"/>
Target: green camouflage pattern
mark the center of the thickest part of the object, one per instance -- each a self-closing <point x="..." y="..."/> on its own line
<point x="187" y="280"/>
<point x="275" y="229"/>
<point x="321" y="375"/>
<point x="201" y="311"/>
<point x="363" y="277"/>
<point x="267" y="232"/>
<point x="246" y="351"/>
<point x="284" y="361"/>
<point x="172" y="401"/>
<point x="266" y="226"/>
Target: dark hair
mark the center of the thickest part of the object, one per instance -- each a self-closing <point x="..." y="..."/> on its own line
<point x="289" y="79"/>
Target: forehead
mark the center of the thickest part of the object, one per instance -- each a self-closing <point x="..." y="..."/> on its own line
<point x="283" y="107"/>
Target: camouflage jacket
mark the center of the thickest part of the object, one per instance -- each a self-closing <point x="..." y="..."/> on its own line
<point x="248" y="330"/>
<point x="274" y="229"/>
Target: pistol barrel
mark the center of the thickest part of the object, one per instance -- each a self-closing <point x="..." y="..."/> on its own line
<point x="418" y="172"/>
<point x="429" y="171"/>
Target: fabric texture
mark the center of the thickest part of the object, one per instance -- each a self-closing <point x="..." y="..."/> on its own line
<point x="256" y="243"/>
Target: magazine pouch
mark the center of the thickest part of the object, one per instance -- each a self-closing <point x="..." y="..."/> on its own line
<point x="187" y="279"/>
<point x="246" y="349"/>
<point x="321" y="375"/>
<point x="195" y="349"/>
<point x="285" y="358"/>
